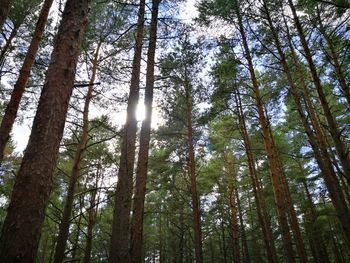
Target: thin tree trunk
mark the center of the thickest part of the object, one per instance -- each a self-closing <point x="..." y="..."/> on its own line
<point x="193" y="175"/>
<point x="335" y="61"/>
<point x="234" y="226"/>
<point x="320" y="250"/>
<point x="21" y="230"/>
<point x="16" y="96"/>
<point x="319" y="146"/>
<point x="261" y="208"/>
<point x="255" y="246"/>
<point x="272" y="158"/>
<point x="142" y="165"/>
<point x="246" y="256"/>
<point x="75" y="173"/>
<point x="340" y="146"/>
<point x="4" y="11"/>
<point x="92" y="212"/>
<point x="8" y="43"/>
<point x="119" y="246"/>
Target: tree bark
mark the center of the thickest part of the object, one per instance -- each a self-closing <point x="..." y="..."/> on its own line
<point x="4" y="11"/>
<point x="142" y="165"/>
<point x="260" y="203"/>
<point x="119" y="246"/>
<point x="13" y="105"/>
<point x="26" y="212"/>
<point x="192" y="173"/>
<point x="75" y="173"/>
<point x="272" y="158"/>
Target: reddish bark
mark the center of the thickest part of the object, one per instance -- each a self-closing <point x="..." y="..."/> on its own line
<point x="272" y="158"/>
<point x="26" y="212"/>
<point x="16" y="96"/>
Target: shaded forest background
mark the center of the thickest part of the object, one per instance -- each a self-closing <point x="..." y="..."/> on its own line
<point x="160" y="134"/>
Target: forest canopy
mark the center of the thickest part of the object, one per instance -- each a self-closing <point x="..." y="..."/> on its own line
<point x="174" y="131"/>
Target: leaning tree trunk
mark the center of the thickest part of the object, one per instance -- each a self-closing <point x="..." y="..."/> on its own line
<point x="142" y="165"/>
<point x="272" y="158"/>
<point x="119" y="246"/>
<point x="4" y="11"/>
<point x="16" y="96"/>
<point x="74" y="175"/>
<point x="21" y="230"/>
<point x="259" y="200"/>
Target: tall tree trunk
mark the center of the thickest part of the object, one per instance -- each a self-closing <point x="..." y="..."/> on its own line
<point x="92" y="212"/>
<point x="339" y="144"/>
<point x="255" y="246"/>
<point x="234" y="225"/>
<point x="320" y="250"/>
<point x="13" y="105"/>
<point x="333" y="56"/>
<point x="246" y="256"/>
<point x="75" y="173"/>
<point x="142" y="165"/>
<point x="193" y="175"/>
<point x="319" y="145"/>
<point x="259" y="200"/>
<point x="26" y="212"/>
<point x="272" y="157"/>
<point x="4" y="11"/>
<point x="119" y="246"/>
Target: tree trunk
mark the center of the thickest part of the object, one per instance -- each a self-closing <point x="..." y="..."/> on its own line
<point x="259" y="200"/>
<point x="4" y="11"/>
<point x="335" y="61"/>
<point x="340" y="146"/>
<point x="142" y="165"/>
<point x="246" y="256"/>
<point x="317" y="242"/>
<point x="234" y="226"/>
<point x="119" y="246"/>
<point x="193" y="175"/>
<point x="26" y="212"/>
<point x="75" y="173"/>
<point x="272" y="158"/>
<point x="92" y="212"/>
<point x="319" y="146"/>
<point x="13" y="105"/>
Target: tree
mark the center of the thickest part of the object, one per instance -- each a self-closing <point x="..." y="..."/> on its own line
<point x="16" y="95"/>
<point x="26" y="212"/>
<point x="119" y="248"/>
